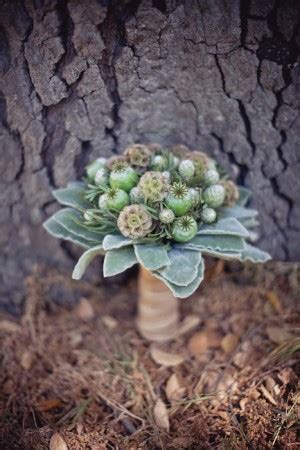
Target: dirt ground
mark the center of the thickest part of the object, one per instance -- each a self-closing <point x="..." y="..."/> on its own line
<point x="75" y="374"/>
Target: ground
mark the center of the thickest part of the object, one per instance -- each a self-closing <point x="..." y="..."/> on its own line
<point x="79" y="376"/>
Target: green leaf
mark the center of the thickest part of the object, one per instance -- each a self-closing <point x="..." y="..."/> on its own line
<point x="116" y="261"/>
<point x="151" y="256"/>
<point x="254" y="255"/>
<point x="59" y="231"/>
<point x="71" y="220"/>
<point x="183" y="266"/>
<point x="185" y="291"/>
<point x="227" y="255"/>
<point x="220" y="243"/>
<point x="85" y="259"/>
<point x="72" y="196"/>
<point x="114" y="241"/>
<point x="245" y="194"/>
<point x="227" y="226"/>
<point x="239" y="212"/>
<point x="249" y="223"/>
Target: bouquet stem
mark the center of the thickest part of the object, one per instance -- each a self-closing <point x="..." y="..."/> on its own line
<point x="158" y="309"/>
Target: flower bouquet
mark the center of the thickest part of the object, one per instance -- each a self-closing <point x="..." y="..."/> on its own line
<point x="164" y="209"/>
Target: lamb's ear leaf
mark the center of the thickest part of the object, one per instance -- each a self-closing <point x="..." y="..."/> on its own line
<point x="239" y="212"/>
<point x="116" y="261"/>
<point x="244" y="196"/>
<point x="59" y="231"/>
<point x="249" y="223"/>
<point x="72" y="196"/>
<point x="114" y="241"/>
<point x="85" y="259"/>
<point x="221" y="243"/>
<point x="254" y="254"/>
<point x="227" y="255"/>
<point x="151" y="256"/>
<point x="72" y="221"/>
<point x="227" y="226"/>
<point x="183" y="266"/>
<point x="184" y="291"/>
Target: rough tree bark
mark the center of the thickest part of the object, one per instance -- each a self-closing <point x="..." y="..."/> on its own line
<point x="81" y="79"/>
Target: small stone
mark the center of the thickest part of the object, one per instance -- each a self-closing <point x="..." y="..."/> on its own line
<point x="84" y="310"/>
<point x="26" y="360"/>
<point x="229" y="342"/>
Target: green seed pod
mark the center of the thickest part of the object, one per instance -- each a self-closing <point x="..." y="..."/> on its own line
<point x="195" y="196"/>
<point x="214" y="195"/>
<point x="134" y="221"/>
<point x="184" y="229"/>
<point x="93" y="168"/>
<point x="153" y="186"/>
<point x="117" y="199"/>
<point x="210" y="177"/>
<point x="166" y="216"/>
<point x="179" y="199"/>
<point x="208" y="215"/>
<point x="136" y="195"/>
<point x="186" y="169"/>
<point x="123" y="177"/>
<point x="103" y="201"/>
<point x="101" y="177"/>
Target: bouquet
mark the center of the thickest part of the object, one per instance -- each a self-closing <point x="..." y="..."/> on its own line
<point x="162" y="208"/>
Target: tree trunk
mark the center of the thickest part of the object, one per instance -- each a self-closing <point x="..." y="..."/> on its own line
<point x="80" y="79"/>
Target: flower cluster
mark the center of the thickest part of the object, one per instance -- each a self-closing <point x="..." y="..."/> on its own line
<point x="156" y="194"/>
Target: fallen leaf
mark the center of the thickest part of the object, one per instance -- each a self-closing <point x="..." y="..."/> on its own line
<point x="274" y="300"/>
<point x="287" y="375"/>
<point x="202" y="341"/>
<point x="9" y="327"/>
<point x="48" y="405"/>
<point x="272" y="386"/>
<point x="110" y="322"/>
<point x="165" y="358"/>
<point x="161" y="416"/>
<point x="84" y="310"/>
<point x="278" y="335"/>
<point x="229" y="342"/>
<point x="57" y="442"/>
<point x="267" y="395"/>
<point x="174" y="391"/>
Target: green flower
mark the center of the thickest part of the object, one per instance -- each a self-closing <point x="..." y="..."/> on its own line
<point x="214" y="196"/>
<point x="179" y="199"/>
<point x="134" y="221"/>
<point x="138" y="155"/>
<point x="166" y="216"/>
<point x="184" y="229"/>
<point x="123" y="177"/>
<point x="208" y="215"/>
<point x="117" y="199"/>
<point x="186" y="169"/>
<point x="153" y="186"/>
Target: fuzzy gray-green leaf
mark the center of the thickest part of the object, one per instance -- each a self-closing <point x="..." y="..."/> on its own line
<point x="239" y="212"/>
<point x="114" y="241"/>
<point x="185" y="291"/>
<point x="72" y="196"/>
<point x="116" y="261"/>
<point x="85" y="259"/>
<point x="59" y="231"/>
<point x="151" y="256"/>
<point x="244" y="196"/>
<point x="227" y="226"/>
<point x="220" y="243"/>
<point x="72" y="221"/>
<point x="254" y="254"/>
<point x="183" y="267"/>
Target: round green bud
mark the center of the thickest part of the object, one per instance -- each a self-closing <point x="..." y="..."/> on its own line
<point x="136" y="195"/>
<point x="214" y="195"/>
<point x="166" y="216"/>
<point x="117" y="199"/>
<point x="208" y="215"/>
<point x="103" y="201"/>
<point x="101" y="177"/>
<point x="211" y="177"/>
<point x="195" y="196"/>
<point x="93" y="168"/>
<point x="184" y="229"/>
<point x="186" y="169"/>
<point x="124" y="178"/>
<point x="159" y="162"/>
